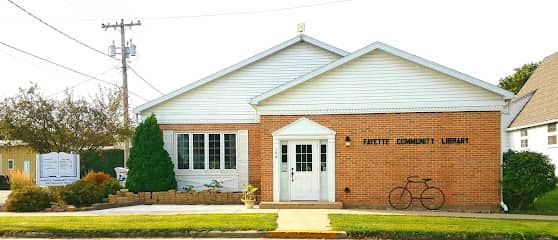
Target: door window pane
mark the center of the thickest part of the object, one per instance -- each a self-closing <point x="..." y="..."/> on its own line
<point x="284" y="157"/>
<point x="183" y="149"/>
<point x="323" y="157"/>
<point x="198" y="151"/>
<point x="303" y="158"/>
<point x="230" y="151"/>
<point x="214" y="151"/>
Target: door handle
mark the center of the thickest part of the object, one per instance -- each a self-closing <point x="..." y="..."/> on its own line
<point x="292" y="174"/>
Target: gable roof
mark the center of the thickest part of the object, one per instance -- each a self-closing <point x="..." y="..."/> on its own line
<point x="391" y="50"/>
<point x="542" y="108"/>
<point x="230" y="69"/>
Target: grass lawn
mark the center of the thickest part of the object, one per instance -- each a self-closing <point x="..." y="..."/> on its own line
<point x="137" y="223"/>
<point x="440" y="227"/>
<point x="547" y="204"/>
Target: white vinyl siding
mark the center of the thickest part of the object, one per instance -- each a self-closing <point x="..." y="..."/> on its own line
<point x="537" y="141"/>
<point x="226" y="100"/>
<point x="380" y="81"/>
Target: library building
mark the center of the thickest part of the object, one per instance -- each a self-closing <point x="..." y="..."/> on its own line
<point x="307" y="122"/>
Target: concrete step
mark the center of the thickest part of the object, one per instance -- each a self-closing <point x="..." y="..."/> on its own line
<point x="301" y="205"/>
<point x="306" y="234"/>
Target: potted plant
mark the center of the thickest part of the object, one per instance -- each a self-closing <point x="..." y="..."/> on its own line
<point x="248" y="197"/>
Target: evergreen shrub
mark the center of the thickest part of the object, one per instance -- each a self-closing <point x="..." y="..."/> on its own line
<point x="150" y="166"/>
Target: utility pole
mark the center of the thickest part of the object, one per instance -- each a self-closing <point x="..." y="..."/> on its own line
<point x="125" y="52"/>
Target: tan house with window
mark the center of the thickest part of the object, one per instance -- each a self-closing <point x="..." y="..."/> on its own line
<point x="535" y="112"/>
<point x="16" y="155"/>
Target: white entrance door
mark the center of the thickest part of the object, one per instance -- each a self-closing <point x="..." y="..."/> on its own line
<point x="304" y="170"/>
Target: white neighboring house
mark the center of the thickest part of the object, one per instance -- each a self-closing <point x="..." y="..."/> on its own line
<point x="534" y="112"/>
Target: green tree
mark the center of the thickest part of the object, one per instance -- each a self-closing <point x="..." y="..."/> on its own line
<point x="527" y="175"/>
<point x="63" y="125"/>
<point x="151" y="169"/>
<point x="514" y="82"/>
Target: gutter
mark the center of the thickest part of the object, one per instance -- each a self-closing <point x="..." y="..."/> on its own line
<point x="503" y="137"/>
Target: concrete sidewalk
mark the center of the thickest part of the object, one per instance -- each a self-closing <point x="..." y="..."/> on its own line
<point x="294" y="214"/>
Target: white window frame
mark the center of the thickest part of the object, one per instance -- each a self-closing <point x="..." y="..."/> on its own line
<point x="550" y="134"/>
<point x="13" y="165"/>
<point x="206" y="151"/>
<point x="521" y="138"/>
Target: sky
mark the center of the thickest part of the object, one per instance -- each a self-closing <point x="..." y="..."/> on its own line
<point x="182" y="41"/>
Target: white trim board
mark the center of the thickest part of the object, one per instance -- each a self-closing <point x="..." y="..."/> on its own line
<point x="235" y="67"/>
<point x="533" y="125"/>
<point x="389" y="49"/>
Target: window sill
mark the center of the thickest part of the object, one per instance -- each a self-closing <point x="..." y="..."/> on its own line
<point x="552" y="146"/>
<point x="231" y="172"/>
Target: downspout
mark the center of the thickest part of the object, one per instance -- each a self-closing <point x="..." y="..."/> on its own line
<point x="504" y="138"/>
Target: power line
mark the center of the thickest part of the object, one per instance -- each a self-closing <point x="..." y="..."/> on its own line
<point x="250" y="12"/>
<point x="143" y="79"/>
<point x="82" y="82"/>
<point x="67" y="68"/>
<point x="217" y="14"/>
<point x="59" y="31"/>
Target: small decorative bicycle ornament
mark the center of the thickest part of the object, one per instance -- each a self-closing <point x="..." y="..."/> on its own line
<point x="431" y="198"/>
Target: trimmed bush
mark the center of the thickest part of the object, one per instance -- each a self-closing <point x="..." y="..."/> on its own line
<point x="96" y="177"/>
<point x="110" y="186"/>
<point x="151" y="169"/>
<point x="101" y="161"/>
<point x="527" y="175"/>
<point x="28" y="199"/>
<point x="82" y="193"/>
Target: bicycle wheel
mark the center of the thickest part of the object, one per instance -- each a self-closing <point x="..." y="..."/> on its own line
<point x="432" y="198"/>
<point x="400" y="198"/>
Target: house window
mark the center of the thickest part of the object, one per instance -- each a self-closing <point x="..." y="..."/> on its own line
<point x="524" y="143"/>
<point x="183" y="149"/>
<point x="551" y="128"/>
<point x="205" y="151"/>
<point x="524" y="138"/>
<point x="11" y="164"/>
<point x="552" y="140"/>
<point x="323" y="157"/>
<point x="214" y="151"/>
<point x="198" y="144"/>
<point x="230" y="151"/>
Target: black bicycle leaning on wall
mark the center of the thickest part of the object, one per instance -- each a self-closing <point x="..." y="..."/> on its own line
<point x="431" y="198"/>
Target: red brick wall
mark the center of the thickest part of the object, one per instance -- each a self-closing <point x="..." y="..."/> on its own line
<point x="253" y="142"/>
<point x="467" y="173"/>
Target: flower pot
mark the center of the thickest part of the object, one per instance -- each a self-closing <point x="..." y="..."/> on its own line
<point x="249" y="203"/>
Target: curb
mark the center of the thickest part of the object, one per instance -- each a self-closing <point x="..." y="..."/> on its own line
<point x="316" y="234"/>
<point x="186" y="234"/>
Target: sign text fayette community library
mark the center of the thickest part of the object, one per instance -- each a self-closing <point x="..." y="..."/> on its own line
<point x="385" y="141"/>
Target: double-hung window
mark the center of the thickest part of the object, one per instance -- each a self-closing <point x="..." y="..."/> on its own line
<point x="551" y="128"/>
<point x="524" y="138"/>
<point x="206" y="151"/>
